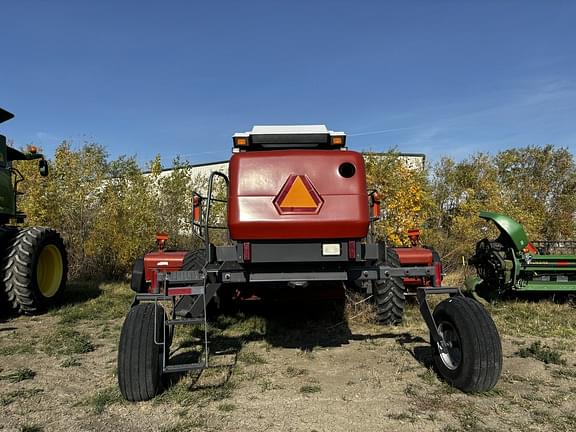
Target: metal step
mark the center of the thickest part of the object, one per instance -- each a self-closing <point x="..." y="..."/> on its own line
<point x="189" y="309"/>
<point x="182" y="278"/>
<point x="185" y="367"/>
<point x="190" y="306"/>
<point x="194" y="305"/>
<point x="184" y="321"/>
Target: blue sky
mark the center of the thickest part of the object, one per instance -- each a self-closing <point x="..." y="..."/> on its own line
<point x="180" y="77"/>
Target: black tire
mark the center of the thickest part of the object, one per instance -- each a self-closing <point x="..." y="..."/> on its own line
<point x="138" y="281"/>
<point x="34" y="269"/>
<point x="6" y="234"/>
<point x="473" y="361"/>
<point x="139" y="356"/>
<point x="389" y="294"/>
<point x="194" y="260"/>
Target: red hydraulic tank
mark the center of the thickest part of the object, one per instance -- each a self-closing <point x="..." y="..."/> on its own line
<point x="297" y="194"/>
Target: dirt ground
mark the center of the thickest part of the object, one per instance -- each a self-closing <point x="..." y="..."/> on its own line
<point x="283" y="371"/>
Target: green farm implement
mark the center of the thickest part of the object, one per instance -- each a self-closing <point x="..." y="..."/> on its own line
<point x="512" y="264"/>
<point x="33" y="260"/>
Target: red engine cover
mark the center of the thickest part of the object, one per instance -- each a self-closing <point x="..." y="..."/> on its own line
<point x="415" y="256"/>
<point x="264" y="206"/>
<point x="163" y="261"/>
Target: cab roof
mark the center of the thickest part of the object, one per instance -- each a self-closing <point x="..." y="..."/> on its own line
<point x="288" y="137"/>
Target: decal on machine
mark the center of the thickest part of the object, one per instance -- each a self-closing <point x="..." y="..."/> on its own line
<point x="298" y="196"/>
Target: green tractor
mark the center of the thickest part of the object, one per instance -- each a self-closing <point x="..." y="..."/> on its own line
<point x="511" y="264"/>
<point x="33" y="260"/>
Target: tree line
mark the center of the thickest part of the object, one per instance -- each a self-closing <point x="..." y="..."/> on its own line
<point x="108" y="211"/>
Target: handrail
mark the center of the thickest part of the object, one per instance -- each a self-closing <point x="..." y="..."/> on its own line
<point x="208" y="207"/>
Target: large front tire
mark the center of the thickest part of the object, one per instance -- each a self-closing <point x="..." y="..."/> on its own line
<point x="34" y="268"/>
<point x="389" y="294"/>
<point x="140" y="354"/>
<point x="472" y="361"/>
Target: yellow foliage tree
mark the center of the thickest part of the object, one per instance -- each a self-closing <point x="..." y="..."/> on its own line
<point x="404" y="193"/>
<point x="108" y="211"/>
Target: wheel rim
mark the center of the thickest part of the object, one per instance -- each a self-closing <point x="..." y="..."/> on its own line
<point x="49" y="271"/>
<point x="451" y="356"/>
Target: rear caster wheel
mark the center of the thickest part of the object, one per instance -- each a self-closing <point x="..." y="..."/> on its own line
<point x="140" y="352"/>
<point x="472" y="357"/>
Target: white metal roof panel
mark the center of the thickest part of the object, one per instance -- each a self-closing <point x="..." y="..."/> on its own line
<point x="288" y="130"/>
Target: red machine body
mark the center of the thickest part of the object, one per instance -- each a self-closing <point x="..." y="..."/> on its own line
<point x="260" y="182"/>
<point x="424" y="257"/>
<point x="164" y="261"/>
<point x="299" y="214"/>
<point x="410" y="256"/>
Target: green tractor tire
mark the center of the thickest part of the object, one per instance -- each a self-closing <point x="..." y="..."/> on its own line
<point x="34" y="269"/>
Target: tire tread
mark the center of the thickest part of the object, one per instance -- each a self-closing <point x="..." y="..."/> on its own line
<point x="389" y="294"/>
<point x="139" y="358"/>
<point x="18" y="268"/>
<point x="480" y="342"/>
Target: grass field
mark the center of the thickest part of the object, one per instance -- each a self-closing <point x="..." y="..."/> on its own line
<point x="285" y="368"/>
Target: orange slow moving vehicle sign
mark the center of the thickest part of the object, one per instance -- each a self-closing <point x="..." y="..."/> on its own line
<point x="298" y="196"/>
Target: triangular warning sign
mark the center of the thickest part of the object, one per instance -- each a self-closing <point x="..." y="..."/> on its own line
<point x="298" y="195"/>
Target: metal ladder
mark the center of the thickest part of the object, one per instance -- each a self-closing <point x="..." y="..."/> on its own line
<point x="197" y="288"/>
<point x="194" y="286"/>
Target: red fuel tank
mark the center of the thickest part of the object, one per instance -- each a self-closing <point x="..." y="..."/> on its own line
<point x="297" y="194"/>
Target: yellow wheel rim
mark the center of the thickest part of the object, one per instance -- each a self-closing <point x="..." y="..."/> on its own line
<point x="49" y="271"/>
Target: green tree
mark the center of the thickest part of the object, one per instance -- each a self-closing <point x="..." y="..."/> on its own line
<point x="460" y="191"/>
<point x="127" y="219"/>
<point x="68" y="200"/>
<point x="534" y="185"/>
<point x="539" y="186"/>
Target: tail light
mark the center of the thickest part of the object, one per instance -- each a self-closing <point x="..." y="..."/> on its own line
<point x="437" y="274"/>
<point x="197" y="208"/>
<point x="246" y="252"/>
<point x="240" y="140"/>
<point x="351" y="250"/>
<point x="338" y="139"/>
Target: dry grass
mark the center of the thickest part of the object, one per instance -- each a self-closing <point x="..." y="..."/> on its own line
<point x="20" y="374"/>
<point x="338" y="375"/>
<point x="542" y="319"/>
<point x="543" y="353"/>
<point x="104" y="398"/>
<point x="85" y="302"/>
<point x="457" y="277"/>
<point x="359" y="308"/>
